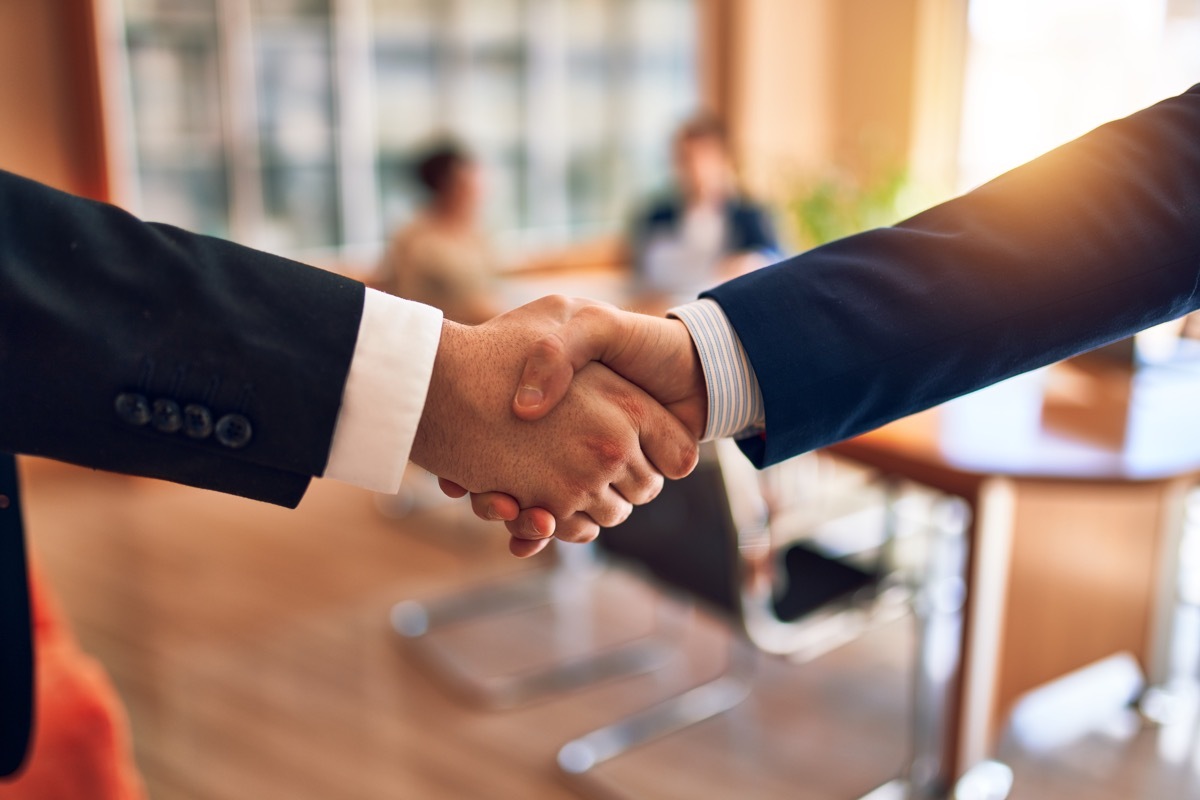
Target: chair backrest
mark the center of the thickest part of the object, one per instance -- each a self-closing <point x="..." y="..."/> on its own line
<point x="688" y="538"/>
<point x="707" y="537"/>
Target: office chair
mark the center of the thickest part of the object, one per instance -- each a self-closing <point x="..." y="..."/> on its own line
<point x="709" y="537"/>
<point x="577" y="570"/>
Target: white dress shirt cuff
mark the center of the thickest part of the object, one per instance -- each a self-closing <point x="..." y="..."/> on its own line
<point x="735" y="403"/>
<point x="385" y="392"/>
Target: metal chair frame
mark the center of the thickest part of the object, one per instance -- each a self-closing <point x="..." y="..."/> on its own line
<point x="938" y="605"/>
<point x="417" y="622"/>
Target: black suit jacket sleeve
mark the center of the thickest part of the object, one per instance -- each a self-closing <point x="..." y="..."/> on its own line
<point x="96" y="305"/>
<point x="1090" y="243"/>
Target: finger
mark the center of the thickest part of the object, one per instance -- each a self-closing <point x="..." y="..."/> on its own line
<point x="495" y="506"/>
<point x="640" y="484"/>
<point x="524" y="548"/>
<point x="451" y="489"/>
<point x="578" y="528"/>
<point x="608" y="509"/>
<point x="593" y="333"/>
<point x="532" y="523"/>
<point x="548" y="373"/>
<point x="667" y="442"/>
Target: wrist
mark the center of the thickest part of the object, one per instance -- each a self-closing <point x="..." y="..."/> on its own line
<point x="733" y="398"/>
<point x="693" y="409"/>
<point x="429" y="443"/>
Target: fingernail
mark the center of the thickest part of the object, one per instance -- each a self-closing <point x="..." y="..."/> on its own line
<point x="529" y="397"/>
<point x="541" y="529"/>
<point x="493" y="514"/>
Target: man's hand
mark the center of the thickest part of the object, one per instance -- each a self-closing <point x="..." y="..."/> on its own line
<point x="655" y="353"/>
<point x="604" y="446"/>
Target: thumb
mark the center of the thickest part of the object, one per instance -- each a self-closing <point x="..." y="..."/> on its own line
<point x="549" y="370"/>
<point x="594" y="333"/>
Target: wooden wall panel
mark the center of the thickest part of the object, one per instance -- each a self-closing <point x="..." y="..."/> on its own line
<point x="1084" y="564"/>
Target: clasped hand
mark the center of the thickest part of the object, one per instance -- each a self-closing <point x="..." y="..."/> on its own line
<point x="573" y="444"/>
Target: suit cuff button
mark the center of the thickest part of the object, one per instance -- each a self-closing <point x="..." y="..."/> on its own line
<point x="132" y="408"/>
<point x="234" y="431"/>
<point x="197" y="421"/>
<point x="166" y="416"/>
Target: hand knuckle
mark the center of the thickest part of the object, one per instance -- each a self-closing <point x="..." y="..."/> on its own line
<point x="593" y="313"/>
<point x="652" y="488"/>
<point x="689" y="454"/>
<point x="574" y="532"/>
<point x="550" y="347"/>
<point x="607" y="453"/>
<point x="611" y="512"/>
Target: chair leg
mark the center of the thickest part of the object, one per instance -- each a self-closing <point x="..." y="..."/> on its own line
<point x="415" y="621"/>
<point x="987" y="780"/>
<point x="939" y="607"/>
<point x="580" y="756"/>
<point x="1175" y="664"/>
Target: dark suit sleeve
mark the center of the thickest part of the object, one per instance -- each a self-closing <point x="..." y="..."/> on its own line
<point x="1088" y="244"/>
<point x="99" y="311"/>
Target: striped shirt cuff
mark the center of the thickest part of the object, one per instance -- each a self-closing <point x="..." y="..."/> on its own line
<point x="735" y="404"/>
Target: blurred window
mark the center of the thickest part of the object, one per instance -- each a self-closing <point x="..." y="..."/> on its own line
<point x="290" y="124"/>
<point x="1043" y="72"/>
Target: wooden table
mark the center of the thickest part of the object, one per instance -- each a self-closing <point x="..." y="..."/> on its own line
<point x="1075" y="477"/>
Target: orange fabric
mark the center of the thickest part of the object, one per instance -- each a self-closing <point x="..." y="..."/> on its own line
<point x="81" y="744"/>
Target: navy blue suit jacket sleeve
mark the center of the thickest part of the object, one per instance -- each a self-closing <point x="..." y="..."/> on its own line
<point x="1090" y="243"/>
<point x="96" y="305"/>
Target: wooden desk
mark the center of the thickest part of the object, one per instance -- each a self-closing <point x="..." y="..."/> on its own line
<point x="1071" y="534"/>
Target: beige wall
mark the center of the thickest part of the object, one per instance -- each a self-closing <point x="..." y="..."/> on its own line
<point x="48" y="97"/>
<point x="782" y="110"/>
<point x="848" y="83"/>
<point x="873" y="80"/>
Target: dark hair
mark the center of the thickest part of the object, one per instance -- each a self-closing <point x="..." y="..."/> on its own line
<point x="703" y="127"/>
<point x="435" y="167"/>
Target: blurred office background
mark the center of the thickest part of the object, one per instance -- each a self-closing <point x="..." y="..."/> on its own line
<point x="253" y="647"/>
<point x="287" y="124"/>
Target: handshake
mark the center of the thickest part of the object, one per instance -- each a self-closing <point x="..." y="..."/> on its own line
<point x="547" y="441"/>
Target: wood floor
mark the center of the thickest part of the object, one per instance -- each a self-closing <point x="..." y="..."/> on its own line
<point x="253" y="649"/>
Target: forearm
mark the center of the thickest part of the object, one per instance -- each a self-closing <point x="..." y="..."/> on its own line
<point x="1088" y="244"/>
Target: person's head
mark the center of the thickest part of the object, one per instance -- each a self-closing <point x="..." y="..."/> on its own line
<point x="701" y="157"/>
<point x="451" y="178"/>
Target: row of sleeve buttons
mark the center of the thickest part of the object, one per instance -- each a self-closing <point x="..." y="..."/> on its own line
<point x="193" y="420"/>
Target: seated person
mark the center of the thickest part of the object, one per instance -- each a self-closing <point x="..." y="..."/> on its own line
<point x="442" y="258"/>
<point x="704" y="232"/>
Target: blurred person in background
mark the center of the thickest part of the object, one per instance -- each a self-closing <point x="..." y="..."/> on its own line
<point x="442" y="257"/>
<point x="704" y="231"/>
